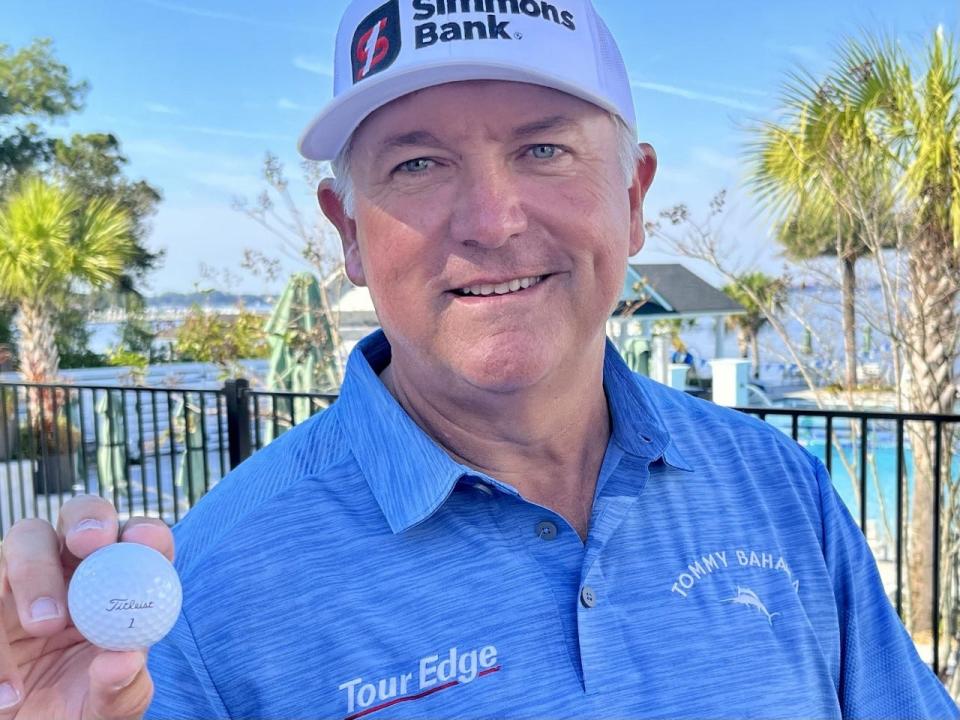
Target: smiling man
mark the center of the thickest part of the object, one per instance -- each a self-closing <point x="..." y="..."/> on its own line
<point x="497" y="518"/>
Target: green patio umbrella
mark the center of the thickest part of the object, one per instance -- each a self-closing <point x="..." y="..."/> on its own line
<point x="636" y="354"/>
<point x="111" y="443"/>
<point x="303" y="352"/>
<point x="190" y="472"/>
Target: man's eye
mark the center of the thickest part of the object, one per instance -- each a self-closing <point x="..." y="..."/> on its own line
<point x="544" y="152"/>
<point x="416" y="166"/>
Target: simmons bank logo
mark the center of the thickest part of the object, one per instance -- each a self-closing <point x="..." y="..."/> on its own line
<point x="376" y="42"/>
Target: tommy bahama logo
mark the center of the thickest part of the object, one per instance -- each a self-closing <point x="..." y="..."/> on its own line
<point x="433" y="674"/>
<point x="376" y="42"/>
<point x="748" y="598"/>
<point x="429" y="31"/>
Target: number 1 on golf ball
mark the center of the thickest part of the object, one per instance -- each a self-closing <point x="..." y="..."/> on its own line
<point x="124" y="596"/>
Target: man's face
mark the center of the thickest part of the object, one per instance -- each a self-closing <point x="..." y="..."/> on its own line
<point x="480" y="186"/>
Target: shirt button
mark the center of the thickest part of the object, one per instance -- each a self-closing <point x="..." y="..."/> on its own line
<point x="587" y="597"/>
<point x="483" y="489"/>
<point x="546" y="530"/>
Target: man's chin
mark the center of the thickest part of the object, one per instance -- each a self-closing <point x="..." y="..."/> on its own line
<point x="504" y="372"/>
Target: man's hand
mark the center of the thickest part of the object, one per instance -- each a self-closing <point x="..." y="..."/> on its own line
<point x="48" y="671"/>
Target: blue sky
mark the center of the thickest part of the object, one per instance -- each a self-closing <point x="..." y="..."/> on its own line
<point x="198" y="90"/>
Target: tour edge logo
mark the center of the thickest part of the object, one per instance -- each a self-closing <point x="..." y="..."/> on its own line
<point x="377" y="40"/>
<point x="433" y="674"/>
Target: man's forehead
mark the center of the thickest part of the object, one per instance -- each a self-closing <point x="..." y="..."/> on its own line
<point x="523" y="109"/>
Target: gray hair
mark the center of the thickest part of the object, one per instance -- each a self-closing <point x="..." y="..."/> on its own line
<point x="628" y="155"/>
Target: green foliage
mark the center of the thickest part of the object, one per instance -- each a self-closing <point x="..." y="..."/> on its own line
<point x="58" y="438"/>
<point x="50" y="240"/>
<point x="6" y="324"/>
<point x="51" y="246"/>
<point x="32" y="83"/>
<point x="759" y="294"/>
<point x="126" y="358"/>
<point x="92" y="166"/>
<point x="136" y="362"/>
<point x="73" y="336"/>
<point x="219" y="339"/>
<point x="870" y="139"/>
<point x="137" y="335"/>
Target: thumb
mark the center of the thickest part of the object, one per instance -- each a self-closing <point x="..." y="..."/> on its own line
<point x="120" y="686"/>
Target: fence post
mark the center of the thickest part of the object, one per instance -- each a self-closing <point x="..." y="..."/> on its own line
<point x="238" y="420"/>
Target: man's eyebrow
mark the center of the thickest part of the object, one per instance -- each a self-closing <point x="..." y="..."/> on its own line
<point x="414" y="138"/>
<point x="554" y="122"/>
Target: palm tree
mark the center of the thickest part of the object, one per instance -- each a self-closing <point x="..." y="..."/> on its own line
<point x="51" y="243"/>
<point x="813" y="173"/>
<point x="759" y="294"/>
<point x="899" y="126"/>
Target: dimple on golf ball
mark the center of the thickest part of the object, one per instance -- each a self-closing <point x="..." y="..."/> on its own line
<point x="124" y="596"/>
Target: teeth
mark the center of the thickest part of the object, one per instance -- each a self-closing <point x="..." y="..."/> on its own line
<point x="503" y="288"/>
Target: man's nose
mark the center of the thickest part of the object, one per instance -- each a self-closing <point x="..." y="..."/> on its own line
<point x="488" y="209"/>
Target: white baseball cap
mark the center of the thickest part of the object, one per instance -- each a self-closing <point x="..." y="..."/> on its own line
<point x="385" y="50"/>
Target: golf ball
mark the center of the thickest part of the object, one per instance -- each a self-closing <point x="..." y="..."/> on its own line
<point x="124" y="596"/>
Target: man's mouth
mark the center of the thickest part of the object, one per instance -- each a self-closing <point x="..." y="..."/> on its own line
<point x="503" y="288"/>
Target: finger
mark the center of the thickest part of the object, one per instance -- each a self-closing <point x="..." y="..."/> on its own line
<point x="149" y="531"/>
<point x="11" y="684"/>
<point x="120" y="686"/>
<point x="86" y="523"/>
<point x="33" y="575"/>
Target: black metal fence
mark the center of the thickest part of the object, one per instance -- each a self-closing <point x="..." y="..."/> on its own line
<point x="877" y="471"/>
<point x="155" y="451"/>
<point x="149" y="450"/>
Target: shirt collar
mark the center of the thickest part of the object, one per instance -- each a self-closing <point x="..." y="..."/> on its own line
<point x="411" y="476"/>
<point x="638" y="426"/>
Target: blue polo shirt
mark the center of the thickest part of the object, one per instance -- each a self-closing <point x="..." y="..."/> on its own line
<point x="353" y="569"/>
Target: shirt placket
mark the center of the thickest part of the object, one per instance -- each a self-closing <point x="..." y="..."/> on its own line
<point x="603" y="652"/>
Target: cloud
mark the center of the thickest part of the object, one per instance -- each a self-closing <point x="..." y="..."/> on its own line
<point x="285" y="104"/>
<point x="708" y="157"/>
<point x="314" y="65"/>
<point x="804" y="52"/>
<point x="694" y="95"/>
<point x="228" y="184"/>
<point x="229" y="17"/>
<point x="227" y="132"/>
<point x="160" y="108"/>
<point x="184" y="155"/>
<point x="739" y="89"/>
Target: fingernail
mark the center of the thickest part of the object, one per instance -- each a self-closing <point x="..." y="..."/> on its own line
<point x="44" y="608"/>
<point x="88" y="524"/>
<point x="8" y="695"/>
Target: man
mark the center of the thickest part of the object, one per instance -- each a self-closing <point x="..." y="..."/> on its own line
<point x="496" y="518"/>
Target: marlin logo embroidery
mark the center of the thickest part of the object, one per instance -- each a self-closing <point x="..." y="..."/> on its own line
<point x="747" y="597"/>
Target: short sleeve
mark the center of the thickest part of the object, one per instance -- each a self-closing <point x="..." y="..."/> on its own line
<point x="881" y="674"/>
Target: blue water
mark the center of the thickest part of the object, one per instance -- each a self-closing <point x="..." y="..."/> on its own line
<point x="881" y="466"/>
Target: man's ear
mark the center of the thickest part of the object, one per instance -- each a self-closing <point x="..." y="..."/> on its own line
<point x="642" y="179"/>
<point x="346" y="226"/>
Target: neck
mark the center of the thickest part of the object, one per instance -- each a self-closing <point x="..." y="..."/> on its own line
<point x="547" y="441"/>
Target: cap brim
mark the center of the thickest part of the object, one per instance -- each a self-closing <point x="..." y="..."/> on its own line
<point x="329" y="131"/>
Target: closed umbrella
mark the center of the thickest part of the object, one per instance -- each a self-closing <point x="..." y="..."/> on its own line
<point x="111" y="443"/>
<point x="191" y="472"/>
<point x="303" y="352"/>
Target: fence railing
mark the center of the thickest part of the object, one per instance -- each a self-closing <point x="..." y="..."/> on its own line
<point x="149" y="450"/>
<point x="878" y="462"/>
<point x="155" y="451"/>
